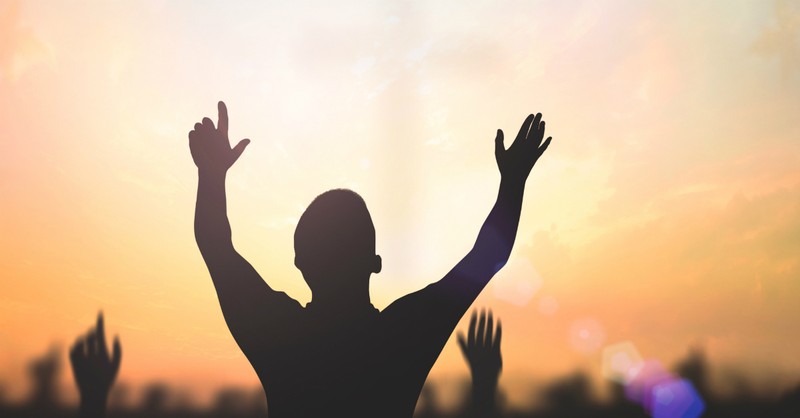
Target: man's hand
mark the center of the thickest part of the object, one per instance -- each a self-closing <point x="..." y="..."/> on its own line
<point x="211" y="149"/>
<point x="94" y="369"/>
<point x="516" y="162"/>
<point x="481" y="348"/>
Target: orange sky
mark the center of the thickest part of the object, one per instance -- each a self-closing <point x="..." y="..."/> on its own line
<point x="665" y="212"/>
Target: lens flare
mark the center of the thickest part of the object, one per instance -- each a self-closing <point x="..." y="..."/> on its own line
<point x="621" y="362"/>
<point x="587" y="335"/>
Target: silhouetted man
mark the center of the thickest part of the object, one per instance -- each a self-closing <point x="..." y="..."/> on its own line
<point x="339" y="356"/>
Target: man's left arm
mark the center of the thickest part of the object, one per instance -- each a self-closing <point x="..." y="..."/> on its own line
<point x="448" y="299"/>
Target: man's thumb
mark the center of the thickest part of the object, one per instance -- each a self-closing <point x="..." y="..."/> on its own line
<point x="498" y="143"/>
<point x="239" y="148"/>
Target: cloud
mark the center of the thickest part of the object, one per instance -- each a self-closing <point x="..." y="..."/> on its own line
<point x="20" y="48"/>
<point x="783" y="39"/>
<point x="724" y="272"/>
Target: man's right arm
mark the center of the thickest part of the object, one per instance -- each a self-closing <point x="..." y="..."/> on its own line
<point x="243" y="295"/>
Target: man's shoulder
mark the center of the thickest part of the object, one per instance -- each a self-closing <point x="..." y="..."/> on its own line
<point x="282" y="300"/>
<point x="274" y="306"/>
<point x="423" y="305"/>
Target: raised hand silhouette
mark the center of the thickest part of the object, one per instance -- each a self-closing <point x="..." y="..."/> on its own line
<point x="44" y="374"/>
<point x="481" y="349"/>
<point x="210" y="146"/>
<point x="332" y="356"/>
<point x="94" y="369"/>
<point x="516" y="162"/>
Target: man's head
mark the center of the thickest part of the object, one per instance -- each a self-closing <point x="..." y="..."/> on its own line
<point x="335" y="241"/>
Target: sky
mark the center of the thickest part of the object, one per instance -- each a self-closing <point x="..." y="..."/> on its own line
<point x="665" y="212"/>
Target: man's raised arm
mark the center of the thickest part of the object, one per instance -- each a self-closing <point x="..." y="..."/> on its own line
<point x="464" y="282"/>
<point x="240" y="289"/>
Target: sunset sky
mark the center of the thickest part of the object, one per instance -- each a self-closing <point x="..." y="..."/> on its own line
<point x="665" y="213"/>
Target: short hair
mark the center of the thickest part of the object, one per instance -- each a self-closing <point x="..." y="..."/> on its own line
<point x="335" y="227"/>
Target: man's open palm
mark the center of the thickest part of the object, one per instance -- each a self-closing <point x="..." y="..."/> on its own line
<point x="211" y="149"/>
<point x="516" y="162"/>
<point x="481" y="348"/>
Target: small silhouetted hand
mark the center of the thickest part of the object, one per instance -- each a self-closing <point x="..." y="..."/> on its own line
<point x="516" y="162"/>
<point x="94" y="369"/>
<point x="481" y="349"/>
<point x="210" y="147"/>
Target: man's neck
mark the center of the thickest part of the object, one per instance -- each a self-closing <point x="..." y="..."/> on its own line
<point x="350" y="302"/>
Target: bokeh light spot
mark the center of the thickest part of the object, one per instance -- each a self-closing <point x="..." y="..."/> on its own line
<point x="621" y="362"/>
<point x="646" y="378"/>
<point x="676" y="398"/>
<point x="517" y="282"/>
<point x="548" y="305"/>
<point x="587" y="335"/>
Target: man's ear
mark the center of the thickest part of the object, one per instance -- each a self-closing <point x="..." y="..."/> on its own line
<point x="297" y="262"/>
<point x="377" y="264"/>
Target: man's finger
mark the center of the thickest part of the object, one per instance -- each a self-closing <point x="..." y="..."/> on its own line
<point x="498" y="144"/>
<point x="462" y="343"/>
<point x="222" y="121"/>
<point x="537" y="138"/>
<point x="481" y="329"/>
<point x="208" y="123"/>
<point x="116" y="356"/>
<point x="523" y="130"/>
<point x="498" y="336"/>
<point x="471" y="329"/>
<point x="239" y="148"/>
<point x="544" y="146"/>
<point x="101" y="336"/>
<point x="78" y="351"/>
<point x="534" y="133"/>
<point x="489" y="330"/>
